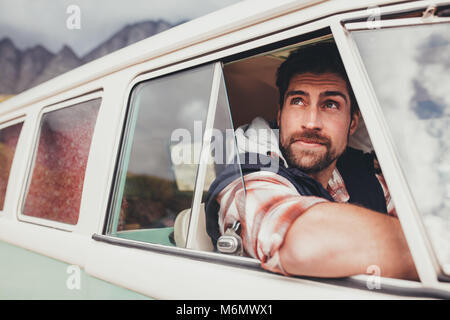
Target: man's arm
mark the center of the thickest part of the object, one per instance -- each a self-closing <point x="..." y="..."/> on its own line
<point x="305" y="235"/>
<point x="337" y="240"/>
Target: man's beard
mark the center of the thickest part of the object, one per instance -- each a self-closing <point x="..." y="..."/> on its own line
<point x="309" y="161"/>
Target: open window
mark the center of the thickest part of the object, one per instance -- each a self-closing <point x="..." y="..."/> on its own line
<point x="252" y="92"/>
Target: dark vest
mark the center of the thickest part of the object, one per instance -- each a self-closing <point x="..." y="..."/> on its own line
<point x="356" y="168"/>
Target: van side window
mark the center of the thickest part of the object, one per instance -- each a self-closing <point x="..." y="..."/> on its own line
<point x="8" y="142"/>
<point x="409" y="68"/>
<point x="59" y="164"/>
<point x="152" y="185"/>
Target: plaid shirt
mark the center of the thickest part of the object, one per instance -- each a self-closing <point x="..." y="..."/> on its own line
<point x="267" y="208"/>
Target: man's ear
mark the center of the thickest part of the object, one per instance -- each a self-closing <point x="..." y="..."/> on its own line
<point x="354" y="122"/>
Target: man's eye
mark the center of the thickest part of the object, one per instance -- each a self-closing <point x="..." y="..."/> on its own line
<point x="331" y="105"/>
<point x="297" y="101"/>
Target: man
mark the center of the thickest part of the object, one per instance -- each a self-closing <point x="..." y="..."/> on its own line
<point x="327" y="211"/>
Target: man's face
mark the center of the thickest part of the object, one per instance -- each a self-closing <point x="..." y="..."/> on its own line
<point x="315" y="121"/>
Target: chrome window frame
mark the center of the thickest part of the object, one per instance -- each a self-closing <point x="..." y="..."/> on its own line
<point x="428" y="276"/>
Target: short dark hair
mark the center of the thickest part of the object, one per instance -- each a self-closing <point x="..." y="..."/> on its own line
<point x="319" y="58"/>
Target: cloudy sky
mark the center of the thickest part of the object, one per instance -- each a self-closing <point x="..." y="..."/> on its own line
<point x="32" y="22"/>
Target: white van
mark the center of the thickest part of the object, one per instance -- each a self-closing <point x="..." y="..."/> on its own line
<point x="93" y="203"/>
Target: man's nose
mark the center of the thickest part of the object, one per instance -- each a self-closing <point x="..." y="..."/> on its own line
<point x="312" y="119"/>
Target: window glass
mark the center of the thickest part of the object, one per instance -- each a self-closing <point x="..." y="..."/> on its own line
<point x="224" y="152"/>
<point x="8" y="141"/>
<point x="409" y="68"/>
<point x="221" y="161"/>
<point x="165" y="122"/>
<point x="56" y="185"/>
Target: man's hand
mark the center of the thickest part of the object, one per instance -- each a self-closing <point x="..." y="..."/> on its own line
<point x="338" y="240"/>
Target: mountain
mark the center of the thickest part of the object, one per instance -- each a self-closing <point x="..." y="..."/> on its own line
<point x="33" y="62"/>
<point x="10" y="58"/>
<point x="21" y="70"/>
<point x="60" y="63"/>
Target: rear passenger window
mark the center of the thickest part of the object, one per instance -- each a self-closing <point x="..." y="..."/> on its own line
<point x="59" y="164"/>
<point x="8" y="142"/>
